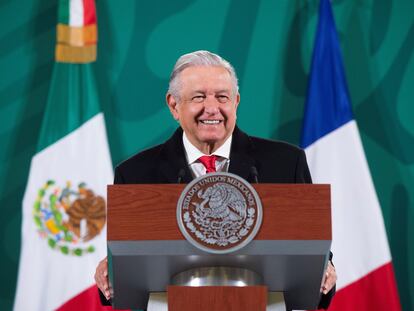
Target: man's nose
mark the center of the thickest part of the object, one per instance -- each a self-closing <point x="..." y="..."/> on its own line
<point x="211" y="105"/>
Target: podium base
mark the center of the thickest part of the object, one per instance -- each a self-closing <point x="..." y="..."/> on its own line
<point x="220" y="298"/>
<point x="158" y="302"/>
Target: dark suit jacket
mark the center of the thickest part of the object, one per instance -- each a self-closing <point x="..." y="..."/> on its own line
<point x="275" y="162"/>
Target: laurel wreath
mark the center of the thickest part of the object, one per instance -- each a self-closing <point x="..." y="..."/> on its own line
<point x="220" y="242"/>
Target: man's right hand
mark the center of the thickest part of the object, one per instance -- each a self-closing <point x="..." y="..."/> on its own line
<point x="101" y="278"/>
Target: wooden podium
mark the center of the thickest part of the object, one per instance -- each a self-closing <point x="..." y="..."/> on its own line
<point x="146" y="248"/>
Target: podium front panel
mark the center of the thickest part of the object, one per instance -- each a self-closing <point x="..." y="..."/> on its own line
<point x="146" y="248"/>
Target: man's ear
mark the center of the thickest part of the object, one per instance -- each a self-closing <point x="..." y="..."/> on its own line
<point x="237" y="99"/>
<point x="172" y="105"/>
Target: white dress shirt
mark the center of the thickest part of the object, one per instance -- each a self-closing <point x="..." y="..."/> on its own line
<point x="193" y="154"/>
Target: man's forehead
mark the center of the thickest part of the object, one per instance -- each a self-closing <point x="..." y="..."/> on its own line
<point x="206" y="77"/>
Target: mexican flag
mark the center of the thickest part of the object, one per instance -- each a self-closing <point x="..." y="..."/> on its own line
<point x="64" y="206"/>
<point x="336" y="156"/>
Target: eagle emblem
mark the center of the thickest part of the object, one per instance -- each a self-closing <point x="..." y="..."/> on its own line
<point x="69" y="218"/>
<point x="219" y="212"/>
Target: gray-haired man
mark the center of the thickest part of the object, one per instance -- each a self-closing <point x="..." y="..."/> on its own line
<point x="203" y="97"/>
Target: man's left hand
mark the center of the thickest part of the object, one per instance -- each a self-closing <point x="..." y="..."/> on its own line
<point x="330" y="278"/>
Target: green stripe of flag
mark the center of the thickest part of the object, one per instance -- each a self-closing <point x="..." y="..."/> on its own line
<point x="72" y="100"/>
<point x="63" y="12"/>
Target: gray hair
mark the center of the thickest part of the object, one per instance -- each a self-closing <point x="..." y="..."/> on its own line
<point x="198" y="58"/>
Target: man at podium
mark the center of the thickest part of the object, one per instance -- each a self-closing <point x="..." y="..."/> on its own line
<point x="203" y="97"/>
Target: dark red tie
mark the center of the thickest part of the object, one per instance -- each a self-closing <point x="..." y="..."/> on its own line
<point x="209" y="162"/>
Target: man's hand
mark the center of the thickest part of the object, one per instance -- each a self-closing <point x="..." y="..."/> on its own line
<point x="101" y="278"/>
<point x="330" y="278"/>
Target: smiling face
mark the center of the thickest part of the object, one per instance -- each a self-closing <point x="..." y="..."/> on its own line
<point x="207" y="106"/>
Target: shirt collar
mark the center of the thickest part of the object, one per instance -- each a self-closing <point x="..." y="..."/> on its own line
<point x="193" y="153"/>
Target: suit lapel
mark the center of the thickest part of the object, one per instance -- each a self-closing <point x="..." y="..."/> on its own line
<point x="241" y="155"/>
<point x="173" y="159"/>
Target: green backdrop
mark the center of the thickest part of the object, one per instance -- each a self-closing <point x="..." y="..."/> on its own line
<point x="270" y="44"/>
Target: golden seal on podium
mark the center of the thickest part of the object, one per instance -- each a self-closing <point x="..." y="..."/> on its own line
<point x="219" y="213"/>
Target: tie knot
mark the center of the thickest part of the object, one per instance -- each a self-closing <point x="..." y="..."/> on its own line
<point x="209" y="162"/>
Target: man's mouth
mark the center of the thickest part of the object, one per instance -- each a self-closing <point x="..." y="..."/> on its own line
<point x="210" y="122"/>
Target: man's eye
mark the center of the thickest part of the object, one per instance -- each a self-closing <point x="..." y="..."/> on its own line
<point x="198" y="99"/>
<point x="223" y="98"/>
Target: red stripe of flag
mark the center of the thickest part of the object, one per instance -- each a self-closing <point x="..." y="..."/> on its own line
<point x="375" y="291"/>
<point x="89" y="12"/>
<point x="86" y="300"/>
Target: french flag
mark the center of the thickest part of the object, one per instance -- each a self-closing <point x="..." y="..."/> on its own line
<point x="336" y="156"/>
